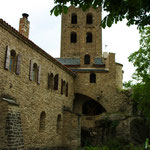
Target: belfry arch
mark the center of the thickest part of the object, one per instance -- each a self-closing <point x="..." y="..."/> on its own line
<point x="87" y="106"/>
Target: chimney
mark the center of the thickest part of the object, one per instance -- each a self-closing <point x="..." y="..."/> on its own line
<point x="24" y="25"/>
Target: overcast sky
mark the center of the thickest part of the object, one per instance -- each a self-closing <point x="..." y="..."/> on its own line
<point x="45" y="30"/>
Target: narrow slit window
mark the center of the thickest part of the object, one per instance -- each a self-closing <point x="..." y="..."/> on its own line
<point x="35" y="72"/>
<point x="12" y="63"/>
<point x="42" y="121"/>
<point x="56" y="78"/>
<point x="59" y="122"/>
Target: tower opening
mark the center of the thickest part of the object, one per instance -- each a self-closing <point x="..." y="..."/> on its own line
<point x="88" y="37"/>
<point x="73" y="38"/>
<point x="87" y="59"/>
<point x="89" y="19"/>
<point x="73" y="18"/>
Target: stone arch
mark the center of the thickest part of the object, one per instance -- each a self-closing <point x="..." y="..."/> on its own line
<point x="92" y="108"/>
<point x="85" y="105"/>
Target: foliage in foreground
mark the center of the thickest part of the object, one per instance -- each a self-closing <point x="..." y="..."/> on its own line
<point x="115" y="144"/>
<point x="105" y="147"/>
<point x="141" y="60"/>
<point x="135" y="11"/>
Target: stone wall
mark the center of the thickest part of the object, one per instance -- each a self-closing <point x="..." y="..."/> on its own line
<point x="34" y="97"/>
<point x="11" y="136"/>
<point x="72" y="123"/>
<point x="104" y="90"/>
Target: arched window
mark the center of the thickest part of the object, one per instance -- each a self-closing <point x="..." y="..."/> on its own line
<point x="73" y="38"/>
<point x="35" y="72"/>
<point x="56" y="82"/>
<point x="50" y="81"/>
<point x="88" y="37"/>
<point x="59" y="122"/>
<point x="89" y="19"/>
<point x="42" y="121"/>
<point x="73" y="18"/>
<point x="12" y="63"/>
<point x="92" y="78"/>
<point x="87" y="59"/>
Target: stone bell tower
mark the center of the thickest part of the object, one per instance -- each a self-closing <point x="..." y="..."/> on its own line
<point x="81" y="34"/>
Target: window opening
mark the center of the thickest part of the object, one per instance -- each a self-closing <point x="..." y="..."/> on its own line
<point x="56" y="82"/>
<point x="59" y="122"/>
<point x="42" y="121"/>
<point x="73" y="37"/>
<point x="89" y="37"/>
<point x="73" y="18"/>
<point x="92" y="78"/>
<point x="35" y="72"/>
<point x="50" y="81"/>
<point x="87" y="59"/>
<point x="67" y="89"/>
<point x="89" y="19"/>
<point x="12" y="61"/>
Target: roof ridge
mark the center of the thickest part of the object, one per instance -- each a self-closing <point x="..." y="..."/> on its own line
<point x="34" y="46"/>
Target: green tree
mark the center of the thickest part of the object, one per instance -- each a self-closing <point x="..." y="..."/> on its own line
<point x="141" y="60"/>
<point x="135" y="11"/>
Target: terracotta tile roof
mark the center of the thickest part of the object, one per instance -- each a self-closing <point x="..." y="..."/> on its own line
<point x="34" y="46"/>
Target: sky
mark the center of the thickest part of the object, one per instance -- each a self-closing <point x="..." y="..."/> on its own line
<point x="45" y="30"/>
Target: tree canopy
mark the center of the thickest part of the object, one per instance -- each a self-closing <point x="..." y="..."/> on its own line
<point x="136" y="12"/>
<point x="141" y="60"/>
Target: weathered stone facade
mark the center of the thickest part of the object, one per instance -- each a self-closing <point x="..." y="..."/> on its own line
<point x="55" y="97"/>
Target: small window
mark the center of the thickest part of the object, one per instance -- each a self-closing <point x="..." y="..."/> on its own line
<point x="50" y="81"/>
<point x="89" y="37"/>
<point x="56" y="78"/>
<point x="67" y="89"/>
<point x="87" y="59"/>
<point x="89" y="19"/>
<point x="73" y="38"/>
<point x="73" y="18"/>
<point x="42" y="121"/>
<point x="35" y="72"/>
<point x="62" y="86"/>
<point x="92" y="78"/>
<point x="59" y="122"/>
<point x="12" y="61"/>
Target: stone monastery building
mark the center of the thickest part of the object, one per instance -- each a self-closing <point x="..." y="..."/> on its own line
<point x="45" y="102"/>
